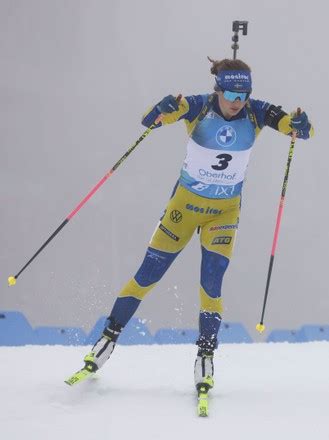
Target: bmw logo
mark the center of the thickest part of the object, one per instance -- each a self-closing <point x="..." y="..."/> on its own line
<point x="226" y="136"/>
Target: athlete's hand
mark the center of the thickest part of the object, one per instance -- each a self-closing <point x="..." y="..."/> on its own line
<point x="169" y="104"/>
<point x="300" y="123"/>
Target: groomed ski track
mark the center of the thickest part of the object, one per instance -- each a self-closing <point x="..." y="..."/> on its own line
<point x="269" y="391"/>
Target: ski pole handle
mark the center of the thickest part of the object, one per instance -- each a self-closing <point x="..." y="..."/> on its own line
<point x="294" y="132"/>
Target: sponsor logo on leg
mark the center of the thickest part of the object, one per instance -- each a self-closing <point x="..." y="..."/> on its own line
<point x="169" y="233"/>
<point x="223" y="227"/>
<point x="176" y="216"/>
<point x="222" y="240"/>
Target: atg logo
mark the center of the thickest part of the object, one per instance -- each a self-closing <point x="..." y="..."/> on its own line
<point x="222" y="240"/>
<point x="226" y="136"/>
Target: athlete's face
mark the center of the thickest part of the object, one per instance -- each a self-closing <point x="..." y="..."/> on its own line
<point x="229" y="108"/>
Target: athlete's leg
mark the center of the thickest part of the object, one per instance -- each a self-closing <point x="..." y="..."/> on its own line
<point x="171" y="235"/>
<point x="173" y="232"/>
<point x="217" y="240"/>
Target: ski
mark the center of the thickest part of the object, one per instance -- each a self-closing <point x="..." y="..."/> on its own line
<point x="79" y="376"/>
<point x="203" y="402"/>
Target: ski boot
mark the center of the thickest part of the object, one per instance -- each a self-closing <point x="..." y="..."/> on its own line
<point x="204" y="379"/>
<point x="204" y="372"/>
<point x="99" y="354"/>
<point x="204" y="369"/>
<point x="103" y="348"/>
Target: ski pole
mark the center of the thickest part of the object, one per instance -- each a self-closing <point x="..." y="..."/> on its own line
<point x="12" y="279"/>
<point x="260" y="327"/>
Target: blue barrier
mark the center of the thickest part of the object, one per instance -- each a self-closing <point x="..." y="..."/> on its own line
<point x="15" y="329"/>
<point x="233" y="333"/>
<point x="135" y="332"/>
<point x="96" y="331"/>
<point x="176" y="336"/>
<point x="230" y="332"/>
<point x="284" y="336"/>
<point x="306" y="333"/>
<point x="314" y="333"/>
<point x="59" y="336"/>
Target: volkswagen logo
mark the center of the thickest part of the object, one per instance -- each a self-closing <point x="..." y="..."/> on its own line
<point x="176" y="216"/>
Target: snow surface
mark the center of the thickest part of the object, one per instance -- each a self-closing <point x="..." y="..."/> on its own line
<point x="262" y="391"/>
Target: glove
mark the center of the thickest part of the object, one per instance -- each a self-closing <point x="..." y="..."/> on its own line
<point x="301" y="124"/>
<point x="169" y="104"/>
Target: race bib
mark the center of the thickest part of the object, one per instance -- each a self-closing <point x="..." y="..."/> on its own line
<point x="215" y="167"/>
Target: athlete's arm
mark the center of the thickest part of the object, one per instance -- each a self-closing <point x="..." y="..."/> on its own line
<point x="188" y="108"/>
<point x="273" y="116"/>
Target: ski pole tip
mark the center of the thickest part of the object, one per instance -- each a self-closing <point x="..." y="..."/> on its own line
<point x="260" y="327"/>
<point x="11" y="281"/>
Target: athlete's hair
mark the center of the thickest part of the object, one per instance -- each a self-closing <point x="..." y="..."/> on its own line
<point x="227" y="64"/>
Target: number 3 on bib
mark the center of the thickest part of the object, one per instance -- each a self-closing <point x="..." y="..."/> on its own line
<point x="223" y="162"/>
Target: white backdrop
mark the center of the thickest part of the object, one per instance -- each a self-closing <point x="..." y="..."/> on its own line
<point x="76" y="77"/>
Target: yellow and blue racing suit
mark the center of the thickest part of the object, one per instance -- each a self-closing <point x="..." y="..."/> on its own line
<point x="206" y="196"/>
